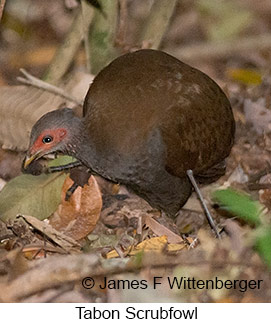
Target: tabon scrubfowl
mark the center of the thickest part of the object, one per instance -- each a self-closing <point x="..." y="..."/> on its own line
<point x="148" y="118"/>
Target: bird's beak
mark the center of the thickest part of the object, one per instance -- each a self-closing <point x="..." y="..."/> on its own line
<point x="30" y="158"/>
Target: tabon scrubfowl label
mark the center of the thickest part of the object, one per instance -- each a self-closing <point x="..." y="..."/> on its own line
<point x="138" y="312"/>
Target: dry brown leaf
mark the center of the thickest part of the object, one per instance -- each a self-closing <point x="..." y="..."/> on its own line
<point x="161" y="230"/>
<point x="59" y="238"/>
<point x="78" y="216"/>
<point x="22" y="106"/>
<point x="10" y="164"/>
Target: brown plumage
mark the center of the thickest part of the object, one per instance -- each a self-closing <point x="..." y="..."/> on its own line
<point x="147" y="119"/>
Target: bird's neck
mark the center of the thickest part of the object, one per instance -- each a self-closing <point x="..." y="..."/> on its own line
<point x="77" y="144"/>
<point x="86" y="152"/>
<point x="83" y="148"/>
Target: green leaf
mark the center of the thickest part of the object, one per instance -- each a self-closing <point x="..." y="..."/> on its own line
<point x="61" y="160"/>
<point x="230" y="26"/>
<point x="224" y="19"/>
<point x="263" y="245"/>
<point x="239" y="204"/>
<point x="138" y="258"/>
<point x="38" y="196"/>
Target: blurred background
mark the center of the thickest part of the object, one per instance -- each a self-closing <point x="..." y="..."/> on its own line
<point x="215" y="35"/>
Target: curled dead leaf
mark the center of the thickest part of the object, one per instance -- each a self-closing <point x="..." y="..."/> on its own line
<point x="78" y="216"/>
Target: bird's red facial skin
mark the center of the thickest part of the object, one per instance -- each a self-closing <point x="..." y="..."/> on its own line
<point x="57" y="136"/>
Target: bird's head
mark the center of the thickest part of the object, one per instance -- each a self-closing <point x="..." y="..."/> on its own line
<point x="54" y="132"/>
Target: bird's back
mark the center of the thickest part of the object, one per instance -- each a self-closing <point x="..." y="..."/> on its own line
<point x="148" y="91"/>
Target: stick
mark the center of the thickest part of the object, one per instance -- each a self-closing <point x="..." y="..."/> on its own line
<point x="156" y="24"/>
<point x="102" y="36"/>
<point x="34" y="81"/>
<point x="202" y="202"/>
<point x="120" y="39"/>
<point x="69" y="47"/>
<point x="87" y="15"/>
<point x="211" y="50"/>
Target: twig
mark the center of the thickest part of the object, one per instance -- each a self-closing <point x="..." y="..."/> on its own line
<point x="223" y="48"/>
<point x="66" y="52"/>
<point x="2" y="4"/>
<point x="39" y="247"/>
<point x="259" y="186"/>
<point x="120" y="39"/>
<point x="87" y="11"/>
<point x="34" y="81"/>
<point x="157" y="22"/>
<point x="102" y="36"/>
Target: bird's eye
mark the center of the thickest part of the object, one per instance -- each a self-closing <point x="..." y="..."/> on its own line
<point x="47" y="139"/>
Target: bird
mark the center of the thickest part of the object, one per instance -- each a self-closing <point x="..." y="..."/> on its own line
<point x="147" y="119"/>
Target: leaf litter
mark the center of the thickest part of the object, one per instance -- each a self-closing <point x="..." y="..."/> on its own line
<point x="37" y="265"/>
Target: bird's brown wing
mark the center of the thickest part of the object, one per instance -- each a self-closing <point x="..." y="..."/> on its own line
<point x="201" y="137"/>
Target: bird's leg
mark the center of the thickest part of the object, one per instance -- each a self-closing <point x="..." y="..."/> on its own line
<point x="202" y="202"/>
<point x="71" y="190"/>
<point x="60" y="168"/>
<point x="79" y="176"/>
